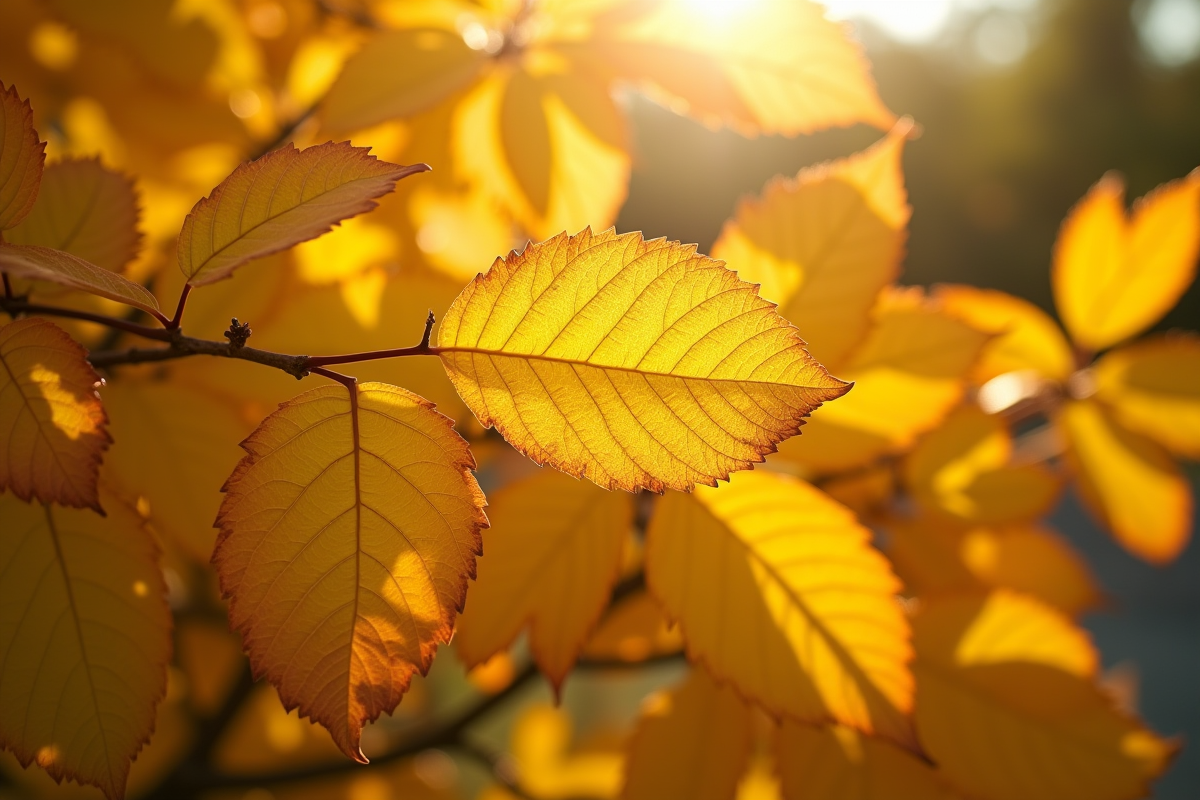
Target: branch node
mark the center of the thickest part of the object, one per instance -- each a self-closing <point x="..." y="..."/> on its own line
<point x="238" y="333"/>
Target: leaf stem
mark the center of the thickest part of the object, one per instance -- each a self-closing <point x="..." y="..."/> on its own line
<point x="13" y="307"/>
<point x="175" y="321"/>
<point x="422" y="349"/>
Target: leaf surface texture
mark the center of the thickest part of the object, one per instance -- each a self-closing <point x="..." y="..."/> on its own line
<point x="21" y="158"/>
<point x="33" y="262"/>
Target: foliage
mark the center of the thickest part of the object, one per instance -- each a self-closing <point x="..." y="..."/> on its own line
<point x="875" y="610"/>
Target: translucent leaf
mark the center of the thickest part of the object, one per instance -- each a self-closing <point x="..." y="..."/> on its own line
<point x="52" y="426"/>
<point x="825" y="243"/>
<point x="1129" y="483"/>
<point x="44" y="264"/>
<point x="21" y="158"/>
<point x="633" y="630"/>
<point x="693" y="742"/>
<point x="636" y="364"/>
<point x="86" y="635"/>
<point x="1153" y="387"/>
<point x="85" y="209"/>
<point x="552" y="555"/>
<point x="1009" y="709"/>
<point x="286" y="197"/>
<point x="1114" y="276"/>
<point x="347" y="536"/>
<point x="778" y="591"/>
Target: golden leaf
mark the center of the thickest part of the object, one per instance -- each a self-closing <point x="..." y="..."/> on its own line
<point x="1114" y="276"/>
<point x="825" y="243"/>
<point x="21" y="158"/>
<point x="557" y="346"/>
<point x="286" y="197"/>
<point x="778" y="591"/>
<point x="1129" y="482"/>
<point x="52" y="426"/>
<point x="552" y="556"/>
<point x="1153" y="387"/>
<point x="347" y="536"/>
<point x="85" y="634"/>
<point x="633" y="630"/>
<point x="87" y="210"/>
<point x="551" y="768"/>
<point x="1008" y="708"/>
<point x="693" y="742"/>
<point x="772" y="66"/>
<point x="44" y="264"/>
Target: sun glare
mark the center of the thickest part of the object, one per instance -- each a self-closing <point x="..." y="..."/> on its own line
<point x="719" y="10"/>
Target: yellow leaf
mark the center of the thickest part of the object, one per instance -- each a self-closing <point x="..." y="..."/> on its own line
<point x="548" y="145"/>
<point x="965" y="470"/>
<point x="557" y="346"/>
<point x="1114" y="276"/>
<point x="768" y="66"/>
<point x="824" y="244"/>
<point x="550" y="768"/>
<point x="1130" y="483"/>
<point x="1153" y="387"/>
<point x="1026" y="338"/>
<point x="85" y="631"/>
<point x="553" y="553"/>
<point x="52" y="426"/>
<point x="778" y="591"/>
<point x="21" y="158"/>
<point x="44" y="264"/>
<point x="439" y="217"/>
<point x="908" y="374"/>
<point x="1008" y="707"/>
<point x="87" y="210"/>
<point x="839" y="763"/>
<point x="634" y="630"/>
<point x="286" y="197"/>
<point x="347" y="536"/>
<point x="693" y="742"/>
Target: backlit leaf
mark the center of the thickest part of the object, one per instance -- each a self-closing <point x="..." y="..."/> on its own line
<point x="693" y="742"/>
<point x="52" y="426"/>
<point x="632" y="630"/>
<point x="636" y="364"/>
<point x="1008" y="708"/>
<point x="550" y="767"/>
<point x="286" y="197"/>
<point x="1114" y="276"/>
<point x="44" y="264"/>
<point x="825" y="243"/>
<point x="347" y="536"/>
<point x="85" y="209"/>
<point x="85" y="633"/>
<point x="1153" y="387"/>
<point x="778" y="590"/>
<point x="1129" y="482"/>
<point x="552" y="555"/>
<point x="21" y="158"/>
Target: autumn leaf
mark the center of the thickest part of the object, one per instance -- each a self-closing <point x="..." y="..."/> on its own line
<point x="800" y="588"/>
<point x="347" y="536"/>
<point x="557" y="346"/>
<point x="85" y="633"/>
<point x="286" y="197"/>
<point x="552" y="555"/>
<point x="693" y="742"/>
<point x="21" y="158"/>
<point x="632" y="630"/>
<point x="45" y="264"/>
<point x="1008" y="708"/>
<point x="551" y="766"/>
<point x="52" y="425"/>
<point x="1114" y="276"/>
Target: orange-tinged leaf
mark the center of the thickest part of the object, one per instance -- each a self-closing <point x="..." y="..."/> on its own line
<point x="633" y="630"/>
<point x="52" y="426"/>
<point x="770" y="66"/>
<point x="838" y="763"/>
<point x="1153" y="387"/>
<point x="85" y="634"/>
<point x="693" y="742"/>
<point x="347" y="536"/>
<point x="45" y="264"/>
<point x="1008" y="708"/>
<point x="636" y="364"/>
<point x="551" y="768"/>
<point x="772" y="567"/>
<point x="286" y="197"/>
<point x="965" y="470"/>
<point x="825" y="243"/>
<point x="21" y="158"/>
<point x="1114" y="276"/>
<point x="85" y="209"/>
<point x="1026" y="338"/>
<point x="553" y="553"/>
<point x="1128" y="482"/>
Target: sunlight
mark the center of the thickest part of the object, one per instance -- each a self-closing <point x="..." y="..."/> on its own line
<point x="719" y="10"/>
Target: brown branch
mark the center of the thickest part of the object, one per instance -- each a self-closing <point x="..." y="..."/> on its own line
<point x="187" y="346"/>
<point x="17" y="306"/>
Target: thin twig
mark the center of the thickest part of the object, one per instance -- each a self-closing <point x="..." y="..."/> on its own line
<point x="186" y="346"/>
<point x="14" y="307"/>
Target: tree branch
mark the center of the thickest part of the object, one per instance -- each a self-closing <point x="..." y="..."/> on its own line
<point x="13" y="307"/>
<point x="186" y="346"/>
